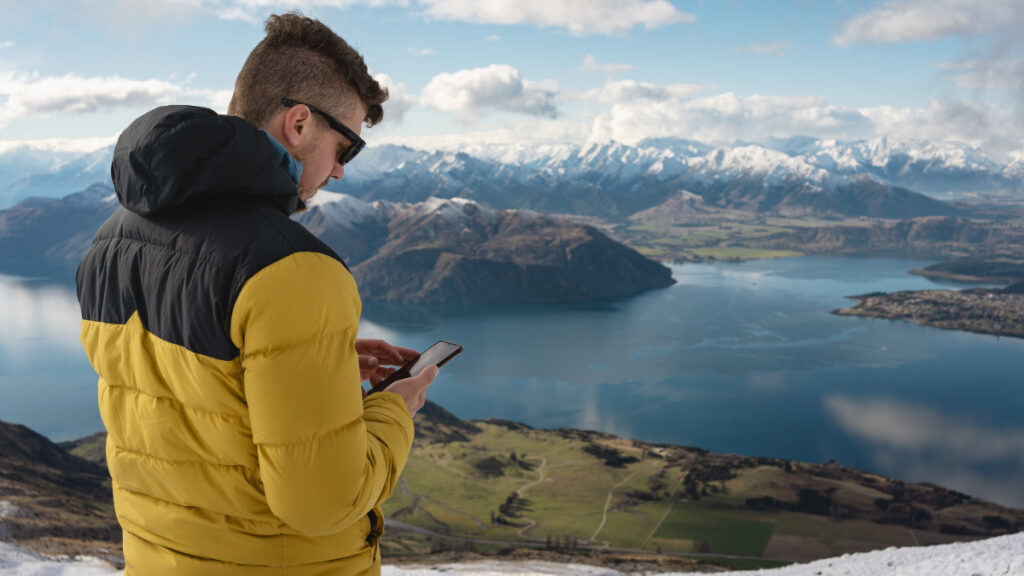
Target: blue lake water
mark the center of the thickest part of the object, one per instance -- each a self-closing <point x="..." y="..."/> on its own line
<point x="741" y="358"/>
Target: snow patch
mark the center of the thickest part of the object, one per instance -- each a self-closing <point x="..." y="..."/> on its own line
<point x="999" y="555"/>
<point x="342" y="209"/>
<point x="8" y="509"/>
<point x="17" y="562"/>
<point x="455" y="211"/>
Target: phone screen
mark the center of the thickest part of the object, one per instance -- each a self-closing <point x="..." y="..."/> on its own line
<point x="441" y="352"/>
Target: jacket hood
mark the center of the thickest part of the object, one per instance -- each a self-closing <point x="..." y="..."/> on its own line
<point x="178" y="154"/>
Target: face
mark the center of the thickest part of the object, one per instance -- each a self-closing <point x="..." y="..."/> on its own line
<point x="321" y="147"/>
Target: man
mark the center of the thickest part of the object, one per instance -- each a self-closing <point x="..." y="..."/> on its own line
<point x="224" y="334"/>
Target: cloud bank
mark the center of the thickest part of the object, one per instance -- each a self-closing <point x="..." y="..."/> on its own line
<point x="913" y="21"/>
<point x="32" y="95"/>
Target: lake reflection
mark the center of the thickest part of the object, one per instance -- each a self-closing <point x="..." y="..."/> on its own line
<point x="742" y="358"/>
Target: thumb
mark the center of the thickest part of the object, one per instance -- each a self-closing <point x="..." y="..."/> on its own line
<point x="429" y="373"/>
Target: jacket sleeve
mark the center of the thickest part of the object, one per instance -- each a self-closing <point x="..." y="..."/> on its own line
<point x="325" y="457"/>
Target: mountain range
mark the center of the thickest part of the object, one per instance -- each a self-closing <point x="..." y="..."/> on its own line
<point x="451" y="251"/>
<point x="879" y="178"/>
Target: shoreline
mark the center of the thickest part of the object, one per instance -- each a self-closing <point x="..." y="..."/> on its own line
<point x="975" y="310"/>
<point x="965" y="278"/>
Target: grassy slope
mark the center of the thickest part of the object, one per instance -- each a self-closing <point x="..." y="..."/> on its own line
<point x="669" y="499"/>
<point x="571" y="496"/>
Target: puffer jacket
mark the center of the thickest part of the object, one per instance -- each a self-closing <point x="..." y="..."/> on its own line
<point x="223" y="335"/>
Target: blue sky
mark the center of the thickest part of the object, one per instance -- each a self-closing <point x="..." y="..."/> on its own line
<point x="548" y="71"/>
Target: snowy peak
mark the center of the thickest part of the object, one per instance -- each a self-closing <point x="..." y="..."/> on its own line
<point x="757" y="161"/>
<point x="344" y="210"/>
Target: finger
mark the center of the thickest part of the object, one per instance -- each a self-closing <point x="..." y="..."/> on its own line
<point x="406" y="354"/>
<point x="372" y="347"/>
<point x="380" y="373"/>
<point x="397" y="355"/>
<point x="368" y="362"/>
<point x="387" y="353"/>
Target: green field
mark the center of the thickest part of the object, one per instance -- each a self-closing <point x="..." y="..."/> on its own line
<point x="734" y="239"/>
<point x="513" y="487"/>
<point x="719" y="531"/>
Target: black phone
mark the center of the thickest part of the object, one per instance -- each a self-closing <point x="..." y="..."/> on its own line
<point x="439" y="354"/>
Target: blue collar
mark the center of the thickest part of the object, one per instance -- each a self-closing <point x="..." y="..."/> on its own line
<point x="292" y="166"/>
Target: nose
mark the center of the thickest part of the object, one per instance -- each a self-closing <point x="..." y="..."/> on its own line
<point x="338" y="172"/>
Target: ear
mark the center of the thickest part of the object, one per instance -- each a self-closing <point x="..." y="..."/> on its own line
<point x="295" y="125"/>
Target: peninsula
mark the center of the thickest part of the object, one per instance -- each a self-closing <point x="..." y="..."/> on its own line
<point x="996" y="312"/>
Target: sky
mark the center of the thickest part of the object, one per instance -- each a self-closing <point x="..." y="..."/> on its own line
<point x="532" y="72"/>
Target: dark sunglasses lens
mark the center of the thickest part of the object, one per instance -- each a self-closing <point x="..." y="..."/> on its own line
<point x="349" y="153"/>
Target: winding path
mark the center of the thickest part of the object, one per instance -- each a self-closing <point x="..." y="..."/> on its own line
<point x="540" y="471"/>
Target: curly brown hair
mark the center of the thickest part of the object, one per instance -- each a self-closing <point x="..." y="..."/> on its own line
<point x="303" y="59"/>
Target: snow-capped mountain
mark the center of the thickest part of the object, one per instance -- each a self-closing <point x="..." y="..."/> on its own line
<point x="27" y="171"/>
<point x="614" y="180"/>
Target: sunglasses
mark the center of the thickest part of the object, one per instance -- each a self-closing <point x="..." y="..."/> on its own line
<point x="349" y="152"/>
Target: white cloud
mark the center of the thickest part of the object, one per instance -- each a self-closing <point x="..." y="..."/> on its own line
<point x="774" y="48"/>
<point x="492" y="38"/>
<point x="532" y="133"/>
<point x="986" y="74"/>
<point x="215" y="99"/>
<point x="399" y="101"/>
<point x="238" y="13"/>
<point x="642" y="110"/>
<point x="133" y="16"/>
<point x="624" y="91"/>
<point x="496" y="87"/>
<point x="421" y="51"/>
<point x="7" y="44"/>
<point x="725" y="118"/>
<point x="589" y="63"/>
<point x="578" y="17"/>
<point x="256" y="11"/>
<point x="911" y="21"/>
<point x="77" y="146"/>
<point x="31" y="95"/>
<point x="976" y="123"/>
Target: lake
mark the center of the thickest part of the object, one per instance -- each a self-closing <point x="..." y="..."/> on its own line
<point x="736" y="358"/>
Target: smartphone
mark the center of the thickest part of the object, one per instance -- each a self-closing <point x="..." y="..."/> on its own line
<point x="439" y="354"/>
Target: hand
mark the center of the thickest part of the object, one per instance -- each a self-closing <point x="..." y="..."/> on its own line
<point x="375" y="355"/>
<point x="414" y="390"/>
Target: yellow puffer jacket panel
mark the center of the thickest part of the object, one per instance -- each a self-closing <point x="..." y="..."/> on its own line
<point x="223" y="334"/>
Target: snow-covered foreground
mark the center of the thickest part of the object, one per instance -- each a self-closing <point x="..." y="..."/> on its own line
<point x="18" y="562"/>
<point x="999" y="556"/>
